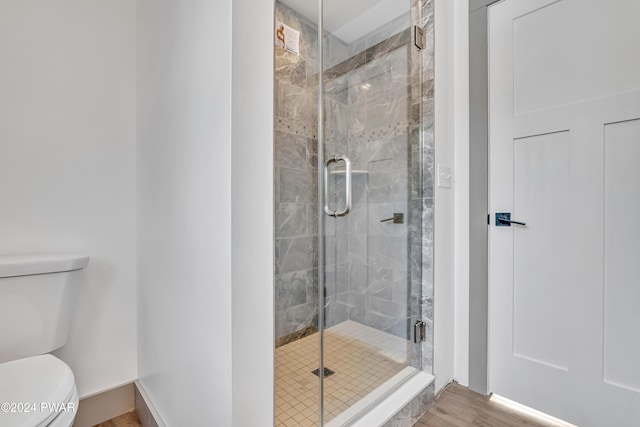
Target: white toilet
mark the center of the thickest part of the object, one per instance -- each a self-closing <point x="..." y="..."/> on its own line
<point x="37" y="295"/>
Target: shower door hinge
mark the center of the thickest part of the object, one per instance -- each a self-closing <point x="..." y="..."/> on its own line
<point x="419" y="331"/>
<point x="418" y="37"/>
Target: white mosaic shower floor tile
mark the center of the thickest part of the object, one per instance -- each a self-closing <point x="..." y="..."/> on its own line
<point x="362" y="358"/>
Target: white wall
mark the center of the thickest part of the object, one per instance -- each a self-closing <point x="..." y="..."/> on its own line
<point x="252" y="213"/>
<point x="451" y="346"/>
<point x="184" y="216"/>
<point x="461" y="120"/>
<point x="444" y="273"/>
<point x="67" y="164"/>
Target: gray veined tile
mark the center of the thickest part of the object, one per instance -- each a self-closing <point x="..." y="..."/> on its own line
<point x="358" y="303"/>
<point x="358" y="219"/>
<point x="377" y="213"/>
<point x="429" y="142"/>
<point x="400" y="289"/>
<point x="364" y="84"/>
<point x="290" y="68"/>
<point x="358" y="278"/>
<point x="290" y="150"/>
<point x="427" y="310"/>
<point x="427" y="222"/>
<point x="415" y="267"/>
<point x="359" y="189"/>
<point x="312" y="218"/>
<point x="337" y="90"/>
<point x="296" y="186"/>
<point x="388" y="251"/>
<point x="291" y="289"/>
<point x="383" y="48"/>
<point x="400" y="152"/>
<point x="364" y="88"/>
<point x="357" y="118"/>
<point x="381" y="181"/>
<point x="357" y="248"/>
<point x="301" y="316"/>
<point x="291" y="220"/>
<point x="377" y="151"/>
<point x="336" y="115"/>
<point x="312" y="285"/>
<point x="298" y="253"/>
<point x="295" y="103"/>
<point x="336" y="249"/>
<point x="427" y="271"/>
<point x="427" y="118"/>
<point x="336" y="279"/>
<point x="343" y="297"/>
<point x="312" y="154"/>
<point x="387" y="324"/>
<point x="428" y="173"/>
<point x="414" y="223"/>
<point x="380" y="285"/>
<point x="379" y="278"/>
<point x="337" y="312"/>
<point x="341" y="68"/>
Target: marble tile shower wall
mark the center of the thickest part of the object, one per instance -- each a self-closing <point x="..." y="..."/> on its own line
<point x="423" y="172"/>
<point x="296" y="123"/>
<point x="296" y="233"/>
<point x="367" y="113"/>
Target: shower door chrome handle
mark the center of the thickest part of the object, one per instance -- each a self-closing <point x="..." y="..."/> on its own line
<point x="347" y="179"/>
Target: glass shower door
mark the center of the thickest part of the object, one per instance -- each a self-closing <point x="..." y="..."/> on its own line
<point x="348" y="206"/>
<point x="368" y="140"/>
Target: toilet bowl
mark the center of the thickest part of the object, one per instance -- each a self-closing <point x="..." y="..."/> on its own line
<point x="37" y="295"/>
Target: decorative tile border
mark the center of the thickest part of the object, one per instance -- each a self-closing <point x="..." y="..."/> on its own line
<point x="296" y="127"/>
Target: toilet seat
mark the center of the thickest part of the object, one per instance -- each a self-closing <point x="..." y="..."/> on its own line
<point x="65" y="419"/>
<point x="36" y="381"/>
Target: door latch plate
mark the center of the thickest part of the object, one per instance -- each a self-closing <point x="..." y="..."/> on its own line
<point x="503" y="215"/>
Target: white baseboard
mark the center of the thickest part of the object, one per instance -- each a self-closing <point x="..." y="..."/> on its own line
<point x="147" y="413"/>
<point x="104" y="406"/>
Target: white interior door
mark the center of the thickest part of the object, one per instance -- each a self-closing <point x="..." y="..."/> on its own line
<point x="565" y="159"/>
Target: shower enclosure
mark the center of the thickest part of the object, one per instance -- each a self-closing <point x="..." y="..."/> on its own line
<point x="354" y="187"/>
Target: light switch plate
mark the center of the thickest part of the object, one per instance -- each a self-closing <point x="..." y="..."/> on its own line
<point x="445" y="176"/>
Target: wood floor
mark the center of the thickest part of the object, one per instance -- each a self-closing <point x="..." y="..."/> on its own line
<point x="458" y="406"/>
<point x="130" y="419"/>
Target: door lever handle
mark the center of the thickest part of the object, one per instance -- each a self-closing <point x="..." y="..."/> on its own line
<point x="508" y="221"/>
<point x="503" y="219"/>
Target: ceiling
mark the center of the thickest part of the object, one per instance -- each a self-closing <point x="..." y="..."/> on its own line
<point x="351" y="19"/>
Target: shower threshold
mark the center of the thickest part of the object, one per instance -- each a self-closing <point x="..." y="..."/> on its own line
<point x="383" y="403"/>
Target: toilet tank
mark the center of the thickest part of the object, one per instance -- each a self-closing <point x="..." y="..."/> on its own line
<point x="37" y="295"/>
